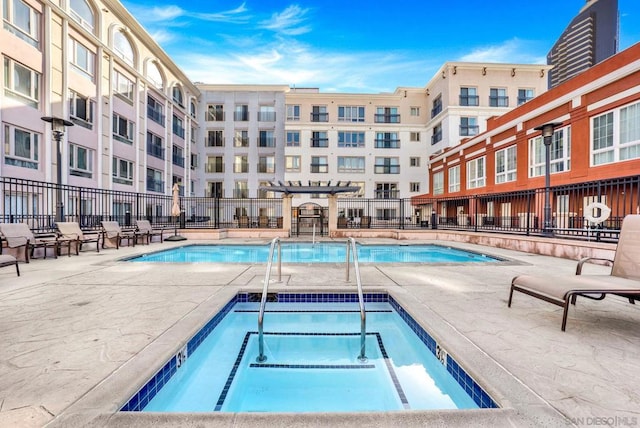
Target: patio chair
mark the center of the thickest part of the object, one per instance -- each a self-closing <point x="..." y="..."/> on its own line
<point x="145" y="230"/>
<point x="624" y="279"/>
<point x="19" y="234"/>
<point x="111" y="230"/>
<point x="7" y="259"/>
<point x="71" y="230"/>
<point x="263" y="221"/>
<point x="243" y="222"/>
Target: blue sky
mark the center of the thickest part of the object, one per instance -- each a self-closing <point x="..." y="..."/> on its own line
<point x="355" y="45"/>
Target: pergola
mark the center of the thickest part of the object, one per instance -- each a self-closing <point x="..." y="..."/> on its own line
<point x="296" y="187"/>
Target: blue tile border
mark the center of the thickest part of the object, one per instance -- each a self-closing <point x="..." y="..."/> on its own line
<point x="142" y="397"/>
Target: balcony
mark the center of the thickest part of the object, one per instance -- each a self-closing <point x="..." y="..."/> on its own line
<point x="155" y="115"/>
<point x="436" y="110"/>
<point x="387" y="143"/>
<point x="319" y="117"/>
<point x="155" y="151"/>
<point x="436" y="137"/>
<point x="386" y="118"/>
<point x="178" y="130"/>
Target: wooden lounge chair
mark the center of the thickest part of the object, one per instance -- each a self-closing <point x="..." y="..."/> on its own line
<point x="71" y="230"/>
<point x="8" y="260"/>
<point x="19" y="234"/>
<point x="624" y="279"/>
<point x="145" y="230"/>
<point x="111" y="230"/>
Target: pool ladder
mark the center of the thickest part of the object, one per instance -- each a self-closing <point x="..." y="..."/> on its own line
<point x="351" y="248"/>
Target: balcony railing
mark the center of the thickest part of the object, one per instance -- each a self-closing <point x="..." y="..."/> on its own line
<point x="214" y="167"/>
<point x="241" y="116"/>
<point x="155" y="185"/>
<point x="155" y="151"/>
<point x="155" y="115"/>
<point x="319" y="142"/>
<point x="178" y="130"/>
<point x="319" y="168"/>
<point x="436" y="137"/>
<point x="178" y="161"/>
<point x="386" y="118"/>
<point x="319" y="117"/>
<point x="266" y="116"/>
<point x="469" y="130"/>
<point x="498" y="101"/>
<point x="469" y="100"/>
<point x="387" y="143"/>
<point x="387" y="169"/>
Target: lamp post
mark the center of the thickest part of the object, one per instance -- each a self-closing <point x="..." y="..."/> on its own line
<point x="57" y="128"/>
<point x="547" y="138"/>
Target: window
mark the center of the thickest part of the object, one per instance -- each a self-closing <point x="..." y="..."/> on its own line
<point x="81" y="12"/>
<point x="437" y="134"/>
<point x="351" y="164"/>
<point x="81" y="110"/>
<point x="241" y="113"/>
<point x="498" y="97"/>
<point x="240" y="163"/>
<point x="414" y="111"/>
<point x="525" y="95"/>
<point x="123" y="129"/>
<point x="194" y="160"/>
<point x="387" y="140"/>
<point x="241" y="139"/>
<point x="387" y="115"/>
<point x="215" y="189"/>
<point x="468" y="126"/>
<point x="21" y="147"/>
<point x="293" y="112"/>
<point x="178" y="128"/>
<point x="476" y="173"/>
<point x="178" y="156"/>
<point x="293" y="138"/>
<point x="82" y="59"/>
<point x="266" y="139"/>
<point x="177" y="96"/>
<point x="22" y="20"/>
<point x="319" y="139"/>
<point x="438" y="183"/>
<point x="350" y="113"/>
<point x="319" y="114"/>
<point x="414" y="137"/>
<point x="193" y="109"/>
<point x="292" y="163"/>
<point x="616" y="135"/>
<point x="414" y="161"/>
<point x="215" y="113"/>
<point x="215" y="164"/>
<point x="122" y="171"/>
<point x="122" y="47"/>
<point x="154" y="76"/>
<point x="193" y="134"/>
<point x="267" y="164"/>
<point x="350" y="139"/>
<point x="80" y="161"/>
<point x="437" y="106"/>
<point x="319" y="164"/>
<point x="414" y="187"/>
<point x="214" y="139"/>
<point x="21" y="83"/>
<point x="387" y="166"/>
<point x="506" y="167"/>
<point x="241" y="189"/>
<point x="454" y="179"/>
<point x="386" y="190"/>
<point x="154" y="180"/>
<point x="123" y="86"/>
<point x="560" y="151"/>
<point x="469" y="97"/>
<point x="155" y="110"/>
<point x="267" y="114"/>
<point x="155" y="145"/>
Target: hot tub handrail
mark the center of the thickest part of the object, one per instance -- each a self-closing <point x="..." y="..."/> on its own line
<point x="265" y="290"/>
<point x="351" y="243"/>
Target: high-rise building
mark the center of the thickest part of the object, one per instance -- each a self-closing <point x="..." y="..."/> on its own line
<point x="591" y="37"/>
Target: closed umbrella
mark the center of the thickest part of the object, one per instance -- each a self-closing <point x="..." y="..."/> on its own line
<point x="175" y="212"/>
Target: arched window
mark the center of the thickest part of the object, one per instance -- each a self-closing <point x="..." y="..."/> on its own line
<point x="177" y="96"/>
<point x="82" y="13"/>
<point x="154" y="76"/>
<point x="122" y="47"/>
<point x="193" y="109"/>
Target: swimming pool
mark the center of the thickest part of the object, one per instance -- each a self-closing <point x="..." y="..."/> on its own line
<point x="320" y="252"/>
<point x="312" y="366"/>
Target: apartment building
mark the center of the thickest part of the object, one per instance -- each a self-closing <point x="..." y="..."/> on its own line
<point x="598" y="138"/>
<point x="134" y="112"/>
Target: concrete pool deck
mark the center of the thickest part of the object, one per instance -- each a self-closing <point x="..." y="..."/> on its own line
<point x="81" y="334"/>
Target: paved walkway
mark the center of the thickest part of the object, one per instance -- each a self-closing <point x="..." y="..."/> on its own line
<point x="80" y="334"/>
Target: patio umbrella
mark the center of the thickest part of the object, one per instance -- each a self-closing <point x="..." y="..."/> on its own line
<point x="175" y="212"/>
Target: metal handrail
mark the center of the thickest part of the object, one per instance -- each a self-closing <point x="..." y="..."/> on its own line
<point x="351" y="245"/>
<point x="261" y="357"/>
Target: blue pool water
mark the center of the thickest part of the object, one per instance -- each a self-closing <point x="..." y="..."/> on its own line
<point x="323" y="252"/>
<point x="312" y="362"/>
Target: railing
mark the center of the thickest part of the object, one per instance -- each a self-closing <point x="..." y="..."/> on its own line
<point x="351" y="245"/>
<point x="265" y="290"/>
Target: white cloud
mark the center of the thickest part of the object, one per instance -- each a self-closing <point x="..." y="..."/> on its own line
<point x="511" y="51"/>
<point x="288" y="22"/>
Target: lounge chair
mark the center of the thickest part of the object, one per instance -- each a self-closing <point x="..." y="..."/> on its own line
<point x="71" y="230"/>
<point x="145" y="230"/>
<point x="111" y="230"/>
<point x="263" y="221"/>
<point x="624" y="279"/>
<point x="8" y="260"/>
<point x="243" y="222"/>
<point x="19" y="234"/>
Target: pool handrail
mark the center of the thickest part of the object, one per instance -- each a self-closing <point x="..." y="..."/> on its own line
<point x="351" y="244"/>
<point x="265" y="290"/>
